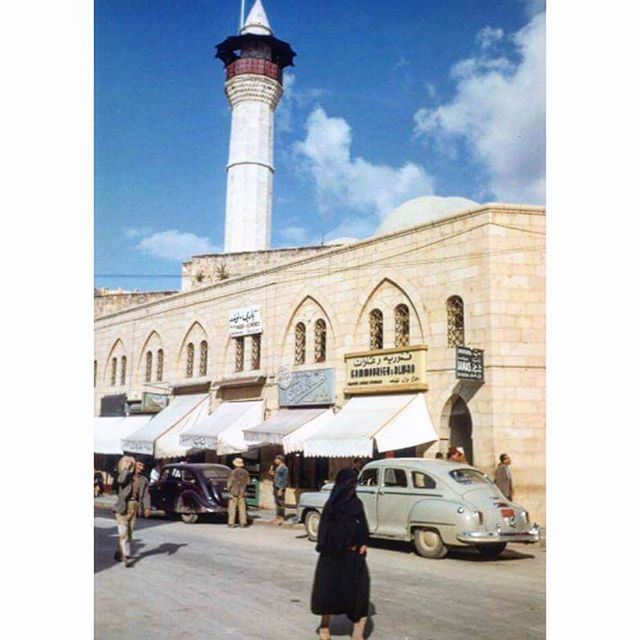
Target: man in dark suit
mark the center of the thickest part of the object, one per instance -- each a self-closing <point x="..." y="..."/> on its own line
<point x="503" y="476"/>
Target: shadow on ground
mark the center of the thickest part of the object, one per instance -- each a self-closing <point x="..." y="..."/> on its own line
<point x="342" y="626"/>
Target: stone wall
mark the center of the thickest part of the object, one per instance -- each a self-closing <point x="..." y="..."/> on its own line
<point x="106" y="301"/>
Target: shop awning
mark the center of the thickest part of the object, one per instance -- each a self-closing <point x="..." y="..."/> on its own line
<point x="283" y="423"/>
<point x="223" y="429"/>
<point x="393" y="421"/>
<point x="160" y="436"/>
<point x="109" y="432"/>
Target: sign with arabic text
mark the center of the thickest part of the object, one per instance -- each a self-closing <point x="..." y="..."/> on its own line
<point x="306" y="388"/>
<point x="469" y="363"/>
<point x="154" y="402"/>
<point x="245" y="322"/>
<point x="387" y="370"/>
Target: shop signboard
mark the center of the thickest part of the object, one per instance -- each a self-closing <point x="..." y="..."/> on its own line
<point x="113" y="406"/>
<point x="245" y="321"/>
<point x="387" y="370"/>
<point x="469" y="363"/>
<point x="306" y="388"/>
<point x="153" y="402"/>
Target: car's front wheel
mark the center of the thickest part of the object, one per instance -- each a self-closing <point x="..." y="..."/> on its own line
<point x="189" y="518"/>
<point x="311" y="524"/>
<point x="428" y="544"/>
<point x="492" y="550"/>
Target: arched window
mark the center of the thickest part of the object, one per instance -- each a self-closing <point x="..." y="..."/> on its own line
<point x="190" y="350"/>
<point x="95" y="373"/>
<point x="204" y="352"/>
<point x="159" y="365"/>
<point x="375" y="330"/>
<point x="455" y="322"/>
<point x="239" y="353"/>
<point x="301" y="343"/>
<point x="402" y="325"/>
<point x="255" y="352"/>
<point x="123" y="370"/>
<point x="114" y="371"/>
<point x="148" y="366"/>
<point x="320" y="341"/>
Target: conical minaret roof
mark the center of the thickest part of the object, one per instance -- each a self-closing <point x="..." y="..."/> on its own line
<point x="257" y="21"/>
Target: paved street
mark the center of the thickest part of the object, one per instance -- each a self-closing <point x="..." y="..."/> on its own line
<point x="208" y="581"/>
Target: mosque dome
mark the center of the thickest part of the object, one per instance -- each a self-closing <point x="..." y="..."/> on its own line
<point x="422" y="210"/>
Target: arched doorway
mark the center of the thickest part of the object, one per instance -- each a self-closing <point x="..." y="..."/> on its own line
<point x="461" y="428"/>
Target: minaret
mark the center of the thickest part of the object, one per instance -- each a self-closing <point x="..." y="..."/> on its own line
<point x="254" y="61"/>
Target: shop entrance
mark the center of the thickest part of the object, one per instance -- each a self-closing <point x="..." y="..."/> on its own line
<point x="460" y="428"/>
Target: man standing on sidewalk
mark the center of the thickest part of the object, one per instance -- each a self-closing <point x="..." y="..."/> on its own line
<point x="280" y="483"/>
<point x="236" y="486"/>
<point x="503" y="476"/>
<point x="133" y="492"/>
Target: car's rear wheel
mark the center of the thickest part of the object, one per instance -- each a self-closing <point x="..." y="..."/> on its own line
<point x="428" y="544"/>
<point x="189" y="518"/>
<point x="311" y="524"/>
<point x="492" y="550"/>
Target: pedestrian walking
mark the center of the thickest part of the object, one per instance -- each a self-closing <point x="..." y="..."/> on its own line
<point x="236" y="486"/>
<point x="341" y="582"/>
<point x="503" y="476"/>
<point x="133" y="498"/>
<point x="280" y="483"/>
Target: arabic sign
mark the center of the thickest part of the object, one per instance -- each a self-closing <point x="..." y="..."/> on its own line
<point x="245" y="322"/>
<point x="387" y="370"/>
<point x="469" y="363"/>
<point x="304" y="388"/>
<point x="154" y="401"/>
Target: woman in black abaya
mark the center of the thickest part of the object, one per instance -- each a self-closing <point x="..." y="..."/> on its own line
<point x="341" y="583"/>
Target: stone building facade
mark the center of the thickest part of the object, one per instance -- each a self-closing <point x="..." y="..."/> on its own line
<point x="484" y="267"/>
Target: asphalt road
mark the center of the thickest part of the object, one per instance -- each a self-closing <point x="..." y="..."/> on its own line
<point x="207" y="581"/>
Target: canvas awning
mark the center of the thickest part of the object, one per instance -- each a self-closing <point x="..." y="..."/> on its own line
<point x="160" y="436"/>
<point x="393" y="421"/>
<point x="109" y="432"/>
<point x="283" y="423"/>
<point x="223" y="429"/>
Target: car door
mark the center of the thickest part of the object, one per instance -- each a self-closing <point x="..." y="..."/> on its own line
<point x="368" y="494"/>
<point x="157" y="491"/>
<point x="394" y="503"/>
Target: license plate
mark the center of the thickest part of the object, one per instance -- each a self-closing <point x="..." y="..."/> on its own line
<point x="507" y="513"/>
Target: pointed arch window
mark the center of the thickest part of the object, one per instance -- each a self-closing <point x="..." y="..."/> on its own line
<point x="123" y="370"/>
<point x="255" y="351"/>
<point x="239" y="353"/>
<point x="320" y="341"/>
<point x="190" y="354"/>
<point x="148" y="367"/>
<point x="301" y="343"/>
<point x="204" y="354"/>
<point x="402" y="325"/>
<point x="159" y="365"/>
<point x="376" y="340"/>
<point x="455" y="322"/>
<point x="114" y="371"/>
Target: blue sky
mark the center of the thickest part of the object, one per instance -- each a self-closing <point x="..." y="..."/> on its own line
<point x="387" y="101"/>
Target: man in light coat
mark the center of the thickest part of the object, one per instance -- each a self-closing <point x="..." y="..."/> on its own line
<point x="236" y="486"/>
<point x="503" y="476"/>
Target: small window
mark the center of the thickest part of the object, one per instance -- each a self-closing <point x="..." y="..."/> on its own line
<point x="368" y="478"/>
<point x="123" y="370"/>
<point x="395" y="478"/>
<point x="455" y="322"/>
<point x="402" y="325"/>
<point x="301" y="343"/>
<point x="320" y="342"/>
<point x="160" y="365"/>
<point x="148" y="366"/>
<point x="188" y="476"/>
<point x="95" y="373"/>
<point x="190" y="354"/>
<point x="164" y="476"/>
<point x="239" y="353"/>
<point x="114" y="371"/>
<point x="422" y="480"/>
<point x="255" y="352"/>
<point x="204" y="353"/>
<point x="376" y="333"/>
<point x="469" y="476"/>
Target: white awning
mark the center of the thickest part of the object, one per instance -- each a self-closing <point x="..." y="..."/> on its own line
<point x="394" y="421"/>
<point x="160" y="436"/>
<point x="281" y="424"/>
<point x="223" y="429"/>
<point x="109" y="432"/>
<point x="294" y="441"/>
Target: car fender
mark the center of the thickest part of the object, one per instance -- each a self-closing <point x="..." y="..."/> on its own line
<point x="443" y="515"/>
<point x="190" y="501"/>
<point x="311" y="500"/>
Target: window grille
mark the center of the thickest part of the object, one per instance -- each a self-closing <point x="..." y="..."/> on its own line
<point x="239" y="353"/>
<point x="301" y="343"/>
<point x="320" y="343"/>
<point x="375" y="330"/>
<point x="148" y="367"/>
<point x="114" y="371"/>
<point x="190" y="351"/>
<point x="123" y="370"/>
<point x="455" y="322"/>
<point x="402" y="325"/>
<point x="160" y="365"/>
<point x="204" y="352"/>
<point x="255" y="352"/>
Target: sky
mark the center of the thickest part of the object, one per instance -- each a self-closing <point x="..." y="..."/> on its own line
<point x="387" y="101"/>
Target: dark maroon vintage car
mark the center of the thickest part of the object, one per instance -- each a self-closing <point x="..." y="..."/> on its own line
<point x="191" y="490"/>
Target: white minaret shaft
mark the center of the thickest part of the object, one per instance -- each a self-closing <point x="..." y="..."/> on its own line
<point x="253" y="88"/>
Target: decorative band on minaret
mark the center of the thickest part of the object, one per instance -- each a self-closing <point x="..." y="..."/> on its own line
<point x="254" y="61"/>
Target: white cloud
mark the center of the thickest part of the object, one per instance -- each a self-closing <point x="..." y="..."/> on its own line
<point x="175" y="245"/>
<point x="499" y="111"/>
<point x="130" y="232"/>
<point x="294" y="234"/>
<point x="488" y="36"/>
<point x="343" y="182"/>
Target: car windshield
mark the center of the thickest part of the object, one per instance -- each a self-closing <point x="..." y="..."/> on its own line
<point x="216" y="473"/>
<point x="469" y="476"/>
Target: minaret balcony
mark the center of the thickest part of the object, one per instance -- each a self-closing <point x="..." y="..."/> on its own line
<point x="254" y="66"/>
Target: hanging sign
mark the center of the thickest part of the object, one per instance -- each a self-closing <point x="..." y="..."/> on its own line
<point x="469" y="363"/>
<point x="304" y="388"/>
<point x="245" y="322"/>
<point x="387" y="370"/>
<point x="154" y="402"/>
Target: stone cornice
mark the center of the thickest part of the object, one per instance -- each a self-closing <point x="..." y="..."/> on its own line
<point x="248" y="87"/>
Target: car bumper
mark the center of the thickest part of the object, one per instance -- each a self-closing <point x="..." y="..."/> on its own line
<point x="488" y="537"/>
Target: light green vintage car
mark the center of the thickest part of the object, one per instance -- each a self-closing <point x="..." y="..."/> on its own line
<point x="437" y="504"/>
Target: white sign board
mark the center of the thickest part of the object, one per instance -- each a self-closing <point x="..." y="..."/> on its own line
<point x="245" y="322"/>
